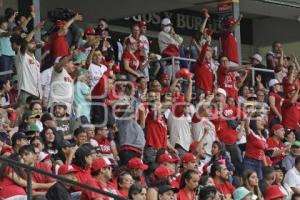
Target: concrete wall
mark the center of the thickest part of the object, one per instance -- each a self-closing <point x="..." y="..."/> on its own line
<point x="270" y="29"/>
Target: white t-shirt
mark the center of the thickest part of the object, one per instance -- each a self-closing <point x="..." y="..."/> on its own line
<point x="180" y="131"/>
<point x="61" y="89"/>
<point x="292" y="178"/>
<point x="46" y="80"/>
<point x="96" y="72"/>
<point x="29" y="76"/>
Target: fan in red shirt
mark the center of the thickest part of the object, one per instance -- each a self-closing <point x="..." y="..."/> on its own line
<point x="220" y="174"/>
<point x="291" y="109"/>
<point x="275" y="102"/>
<point x="189" y="181"/>
<point x="275" y="145"/>
<point x="227" y="78"/>
<point x="226" y="118"/>
<point x="82" y="163"/>
<point x="59" y="44"/>
<point x="136" y="168"/>
<point x="104" y="145"/>
<point x="102" y="174"/>
<point x="291" y="79"/>
<point x="164" y="81"/>
<point x="256" y="144"/>
<point x="28" y="155"/>
<point x="203" y="73"/>
<point x="228" y="40"/>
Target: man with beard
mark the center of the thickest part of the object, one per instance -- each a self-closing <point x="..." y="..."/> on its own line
<point x="28" y="68"/>
<point x="62" y="119"/>
<point x="220" y="174"/>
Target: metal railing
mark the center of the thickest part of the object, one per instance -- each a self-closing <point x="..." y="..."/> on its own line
<point x="29" y="170"/>
<point x="174" y="58"/>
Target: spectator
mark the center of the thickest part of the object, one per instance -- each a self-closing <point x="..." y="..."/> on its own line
<point x="279" y="181"/>
<point x="168" y="161"/>
<point x="60" y="190"/>
<point x="5" y="87"/>
<point x="104" y="146"/>
<point x="292" y="177"/>
<point x="137" y="192"/>
<point x="274" y="193"/>
<point x="18" y="140"/>
<point x="62" y="120"/>
<point x="208" y="193"/>
<point x="125" y="181"/>
<point x="275" y="101"/>
<point x="59" y="44"/>
<point x="289" y="161"/>
<point x="220" y="175"/>
<point x="275" y="144"/>
<point x="169" y="43"/>
<point x="226" y="118"/>
<point x="268" y="179"/>
<point x="250" y="182"/>
<point x="28" y="69"/>
<point x="101" y="172"/>
<point x="242" y="193"/>
<point x="7" y="53"/>
<point x="50" y="140"/>
<point x="137" y="168"/>
<point x="167" y="192"/>
<point x="36" y="108"/>
<point x="188" y="183"/>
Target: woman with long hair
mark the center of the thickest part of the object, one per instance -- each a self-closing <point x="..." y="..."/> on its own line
<point x="256" y="144"/>
<point x="5" y="87"/>
<point x="279" y="176"/>
<point x="124" y="181"/>
<point x="36" y="108"/>
<point x="13" y="180"/>
<point x="188" y="183"/>
<point x="250" y="182"/>
<point x="218" y="152"/>
<point x="49" y="138"/>
<point x="137" y="192"/>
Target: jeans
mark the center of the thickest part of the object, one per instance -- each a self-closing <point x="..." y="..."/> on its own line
<point x="126" y="155"/>
<point x="6" y="63"/>
<point x="256" y="165"/>
<point x="236" y="157"/>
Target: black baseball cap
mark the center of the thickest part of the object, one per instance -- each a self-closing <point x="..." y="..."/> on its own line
<point x="45" y="117"/>
<point x="164" y="188"/>
<point x="18" y="136"/>
<point x="66" y="143"/>
<point x="207" y="191"/>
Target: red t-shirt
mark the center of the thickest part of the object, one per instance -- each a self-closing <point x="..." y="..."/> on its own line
<point x="229" y="45"/>
<point x="274" y="145"/>
<point x="90" y="195"/>
<point x="104" y="146"/>
<point x="224" y="188"/>
<point x="156" y="131"/>
<point x="290" y="114"/>
<point x="133" y="60"/>
<point x="59" y="46"/>
<point x="278" y="100"/>
<point x="227" y="81"/>
<point x="9" y="188"/>
<point x="40" y="178"/>
<point x="255" y="146"/>
<point x="203" y="73"/>
<point x="82" y="176"/>
<point x="182" y="195"/>
<point x="286" y="84"/>
<point x="225" y="133"/>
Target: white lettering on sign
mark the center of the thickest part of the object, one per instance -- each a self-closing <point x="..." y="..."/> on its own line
<point x="181" y="21"/>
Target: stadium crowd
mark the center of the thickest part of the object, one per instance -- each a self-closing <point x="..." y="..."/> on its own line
<point x="113" y="115"/>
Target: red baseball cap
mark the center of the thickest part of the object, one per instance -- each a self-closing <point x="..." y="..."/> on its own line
<point x="100" y="163"/>
<point x="136" y="163"/>
<point x="184" y="73"/>
<point x="289" y="89"/>
<point x="7" y="149"/>
<point x="164" y="76"/>
<point x="274" y="192"/>
<point x="89" y="31"/>
<point x="180" y="99"/>
<point x="194" y="145"/>
<point x="188" y="157"/>
<point x="163" y="172"/>
<point x="60" y="23"/>
<point x="166" y="158"/>
<point x="66" y="169"/>
<point x="275" y="127"/>
<point x="142" y="23"/>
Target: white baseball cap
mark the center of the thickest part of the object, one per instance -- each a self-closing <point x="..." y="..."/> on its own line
<point x="273" y="82"/>
<point x="257" y="57"/>
<point x="221" y="91"/>
<point x="166" y="22"/>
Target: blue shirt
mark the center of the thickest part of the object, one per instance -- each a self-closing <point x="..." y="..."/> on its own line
<point x="5" y="45"/>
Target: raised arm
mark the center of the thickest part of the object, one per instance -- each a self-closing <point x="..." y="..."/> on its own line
<point x="64" y="29"/>
<point x="34" y="30"/>
<point x="203" y="25"/>
<point x="188" y="93"/>
<point x="236" y="23"/>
